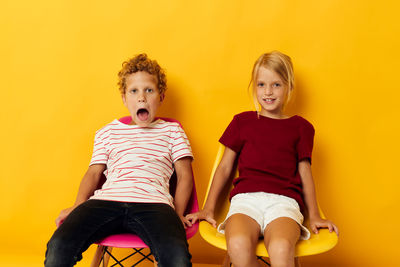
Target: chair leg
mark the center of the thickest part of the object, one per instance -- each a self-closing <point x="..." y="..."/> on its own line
<point x="106" y="256"/>
<point x="227" y="261"/>
<point x="97" y="256"/>
<point x="297" y="262"/>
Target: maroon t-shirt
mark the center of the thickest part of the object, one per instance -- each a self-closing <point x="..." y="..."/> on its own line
<point x="269" y="152"/>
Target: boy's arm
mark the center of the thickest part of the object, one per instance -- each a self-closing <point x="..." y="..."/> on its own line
<point x="184" y="186"/>
<point x="221" y="176"/>
<point x="310" y="199"/>
<point x="88" y="185"/>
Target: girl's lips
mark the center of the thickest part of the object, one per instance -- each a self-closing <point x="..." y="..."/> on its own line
<point x="268" y="100"/>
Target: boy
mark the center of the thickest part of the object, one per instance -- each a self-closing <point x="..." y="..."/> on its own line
<point x="138" y="161"/>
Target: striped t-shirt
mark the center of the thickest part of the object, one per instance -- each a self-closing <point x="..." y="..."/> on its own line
<point x="139" y="160"/>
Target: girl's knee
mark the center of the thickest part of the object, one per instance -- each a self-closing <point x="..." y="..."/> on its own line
<point x="241" y="250"/>
<point x="281" y="248"/>
<point x="239" y="243"/>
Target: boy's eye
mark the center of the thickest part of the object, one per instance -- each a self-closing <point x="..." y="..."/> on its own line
<point x="133" y="91"/>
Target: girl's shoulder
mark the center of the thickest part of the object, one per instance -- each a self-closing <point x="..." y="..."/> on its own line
<point x="302" y="120"/>
<point x="303" y="125"/>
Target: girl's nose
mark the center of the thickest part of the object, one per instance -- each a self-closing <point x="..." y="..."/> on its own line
<point x="268" y="91"/>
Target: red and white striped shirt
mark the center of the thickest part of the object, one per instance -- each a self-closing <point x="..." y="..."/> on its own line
<point x="139" y="160"/>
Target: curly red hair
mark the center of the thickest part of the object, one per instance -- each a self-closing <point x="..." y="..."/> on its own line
<point x="142" y="63"/>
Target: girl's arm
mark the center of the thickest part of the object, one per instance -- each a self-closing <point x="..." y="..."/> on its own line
<point x="184" y="187"/>
<point x="222" y="174"/>
<point x="88" y="185"/>
<point x="310" y="199"/>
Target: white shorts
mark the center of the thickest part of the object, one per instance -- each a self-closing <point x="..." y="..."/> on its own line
<point x="264" y="208"/>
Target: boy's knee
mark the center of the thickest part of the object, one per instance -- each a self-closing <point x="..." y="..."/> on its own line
<point x="60" y="252"/>
<point x="174" y="253"/>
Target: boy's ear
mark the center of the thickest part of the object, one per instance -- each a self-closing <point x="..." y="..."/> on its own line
<point x="123" y="99"/>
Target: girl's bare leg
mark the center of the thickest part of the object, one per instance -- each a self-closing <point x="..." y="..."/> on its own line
<point x="280" y="238"/>
<point x="242" y="233"/>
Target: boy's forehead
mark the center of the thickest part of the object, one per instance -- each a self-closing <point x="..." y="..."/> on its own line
<point x="141" y="76"/>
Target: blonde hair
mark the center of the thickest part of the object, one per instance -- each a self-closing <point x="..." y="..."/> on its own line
<point x="279" y="63"/>
<point x="142" y="63"/>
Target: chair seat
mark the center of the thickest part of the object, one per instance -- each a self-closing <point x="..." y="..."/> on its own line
<point x="123" y="241"/>
<point x="319" y="243"/>
<point x="133" y="241"/>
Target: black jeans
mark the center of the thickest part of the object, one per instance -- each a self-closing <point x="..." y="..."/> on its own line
<point x="157" y="225"/>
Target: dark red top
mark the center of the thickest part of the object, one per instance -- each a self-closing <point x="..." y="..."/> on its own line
<point x="269" y="152"/>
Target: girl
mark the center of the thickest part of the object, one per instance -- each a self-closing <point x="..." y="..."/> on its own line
<point x="275" y="183"/>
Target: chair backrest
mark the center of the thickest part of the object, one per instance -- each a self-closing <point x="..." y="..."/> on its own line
<point x="223" y="203"/>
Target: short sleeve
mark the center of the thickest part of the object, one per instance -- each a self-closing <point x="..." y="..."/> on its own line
<point x="231" y="137"/>
<point x="306" y="141"/>
<point x="180" y="144"/>
<point x="100" y="155"/>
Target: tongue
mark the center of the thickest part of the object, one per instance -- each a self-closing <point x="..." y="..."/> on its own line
<point x="143" y="115"/>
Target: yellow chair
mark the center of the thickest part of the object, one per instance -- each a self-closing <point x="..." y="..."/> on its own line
<point x="318" y="243"/>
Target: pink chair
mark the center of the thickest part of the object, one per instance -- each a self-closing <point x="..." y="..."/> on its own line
<point x="103" y="252"/>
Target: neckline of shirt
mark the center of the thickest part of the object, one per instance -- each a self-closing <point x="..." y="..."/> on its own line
<point x="154" y="123"/>
<point x="275" y="119"/>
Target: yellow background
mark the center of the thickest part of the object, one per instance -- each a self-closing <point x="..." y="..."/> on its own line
<point x="59" y="61"/>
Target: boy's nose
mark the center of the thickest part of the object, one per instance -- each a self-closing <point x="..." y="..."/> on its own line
<point x="142" y="98"/>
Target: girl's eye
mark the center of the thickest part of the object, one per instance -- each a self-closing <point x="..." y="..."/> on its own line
<point x="260" y="84"/>
<point x="133" y="91"/>
<point x="277" y="85"/>
<point x="149" y="90"/>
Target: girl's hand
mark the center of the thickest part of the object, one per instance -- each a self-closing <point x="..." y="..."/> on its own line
<point x="186" y="223"/>
<point x="202" y="215"/>
<point x="318" y="223"/>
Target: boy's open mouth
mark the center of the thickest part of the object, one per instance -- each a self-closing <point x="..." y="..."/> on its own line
<point x="142" y="114"/>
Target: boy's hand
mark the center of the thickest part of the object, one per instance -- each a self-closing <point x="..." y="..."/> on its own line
<point x="317" y="223"/>
<point x="63" y="214"/>
<point x="202" y="215"/>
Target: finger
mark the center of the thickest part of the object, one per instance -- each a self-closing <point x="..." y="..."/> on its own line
<point x="336" y="229"/>
<point x="330" y="227"/>
<point x="183" y="222"/>
<point x="187" y="222"/>
<point x="212" y="221"/>
<point x="59" y="222"/>
<point x="314" y="229"/>
<point x="192" y="218"/>
<point x="189" y="216"/>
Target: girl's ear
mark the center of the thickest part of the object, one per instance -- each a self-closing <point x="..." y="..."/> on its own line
<point x="162" y="96"/>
